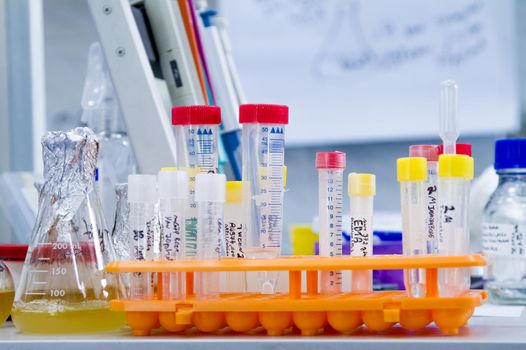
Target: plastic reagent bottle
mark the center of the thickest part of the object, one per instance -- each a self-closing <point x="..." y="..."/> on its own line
<point x="210" y="197"/>
<point x="142" y="196"/>
<point x="173" y="196"/>
<point x="455" y="172"/>
<point x="362" y="189"/>
<point x="504" y="225"/>
<point x="330" y="167"/>
<point x="412" y="175"/>
<point x="101" y="113"/>
<point x="430" y="152"/>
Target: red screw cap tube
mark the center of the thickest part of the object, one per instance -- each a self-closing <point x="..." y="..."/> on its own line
<point x="461" y="148"/>
<point x="330" y="160"/>
<point x="429" y="152"/>
<point x="196" y="115"/>
<point x="264" y="114"/>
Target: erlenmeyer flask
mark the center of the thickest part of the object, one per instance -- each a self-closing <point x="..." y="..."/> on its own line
<point x="7" y="292"/>
<point x="63" y="287"/>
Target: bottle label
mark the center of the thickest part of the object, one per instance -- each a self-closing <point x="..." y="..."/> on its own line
<point x="504" y="239"/>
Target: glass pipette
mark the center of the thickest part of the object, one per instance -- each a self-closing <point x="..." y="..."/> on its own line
<point x="448" y="115"/>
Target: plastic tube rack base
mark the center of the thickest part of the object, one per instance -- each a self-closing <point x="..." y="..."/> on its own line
<point x="309" y="311"/>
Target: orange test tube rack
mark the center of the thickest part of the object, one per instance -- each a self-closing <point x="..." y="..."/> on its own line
<point x="309" y="311"/>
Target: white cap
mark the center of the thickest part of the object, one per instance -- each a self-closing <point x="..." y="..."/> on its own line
<point x="172" y="184"/>
<point x="210" y="187"/>
<point x="142" y="188"/>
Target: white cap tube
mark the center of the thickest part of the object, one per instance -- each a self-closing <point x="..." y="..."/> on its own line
<point x="142" y="188"/>
<point x="210" y="187"/>
<point x="172" y="184"/>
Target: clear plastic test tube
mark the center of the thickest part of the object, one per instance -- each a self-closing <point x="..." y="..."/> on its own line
<point x="173" y="197"/>
<point x="430" y="152"/>
<point x="210" y="198"/>
<point x="235" y="235"/>
<point x="263" y="152"/>
<point x="362" y="189"/>
<point x="142" y="197"/>
<point x="196" y="134"/>
<point x="455" y="173"/>
<point x="412" y="175"/>
<point x="330" y="167"/>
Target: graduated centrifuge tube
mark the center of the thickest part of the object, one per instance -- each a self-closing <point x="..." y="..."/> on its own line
<point x="455" y="172"/>
<point x="196" y="134"/>
<point x="142" y="197"/>
<point x="430" y="152"/>
<point x="362" y="189"/>
<point x="448" y="115"/>
<point x="330" y="167"/>
<point x="412" y="175"/>
<point x="263" y="151"/>
<point x="210" y="198"/>
<point x="173" y="198"/>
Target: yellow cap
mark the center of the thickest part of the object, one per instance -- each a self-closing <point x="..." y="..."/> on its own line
<point x="234" y="191"/>
<point x="169" y="168"/>
<point x="362" y="184"/>
<point x="411" y="169"/>
<point x="455" y="165"/>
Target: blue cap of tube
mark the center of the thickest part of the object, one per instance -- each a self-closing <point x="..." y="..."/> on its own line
<point x="207" y="16"/>
<point x="510" y="153"/>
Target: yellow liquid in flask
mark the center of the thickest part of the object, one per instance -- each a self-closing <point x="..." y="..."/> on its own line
<point x="6" y="302"/>
<point x="74" y="314"/>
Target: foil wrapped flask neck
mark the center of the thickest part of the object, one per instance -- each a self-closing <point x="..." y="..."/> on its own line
<point x="70" y="160"/>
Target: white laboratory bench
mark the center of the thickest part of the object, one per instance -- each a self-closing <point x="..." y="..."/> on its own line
<point x="482" y="333"/>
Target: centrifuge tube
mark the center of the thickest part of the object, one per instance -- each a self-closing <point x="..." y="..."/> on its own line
<point x="263" y="153"/>
<point x="448" y="115"/>
<point x="142" y="197"/>
<point x="454" y="175"/>
<point x="173" y="197"/>
<point x="210" y="198"/>
<point x="430" y="152"/>
<point x="330" y="167"/>
<point x="196" y="134"/>
<point x="412" y="175"/>
<point x="362" y="189"/>
<point x="63" y="287"/>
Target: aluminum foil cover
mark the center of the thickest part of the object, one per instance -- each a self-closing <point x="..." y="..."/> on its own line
<point x="70" y="160"/>
<point x="120" y="236"/>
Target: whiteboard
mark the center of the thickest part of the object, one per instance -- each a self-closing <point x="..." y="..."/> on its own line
<point x="354" y="71"/>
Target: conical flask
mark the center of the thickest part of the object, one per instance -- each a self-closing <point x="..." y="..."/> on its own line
<point x="63" y="287"/>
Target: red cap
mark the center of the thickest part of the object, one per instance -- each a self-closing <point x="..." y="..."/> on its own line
<point x="15" y="252"/>
<point x="196" y="115"/>
<point x="429" y="152"/>
<point x="330" y="160"/>
<point x="461" y="148"/>
<point x="263" y="113"/>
